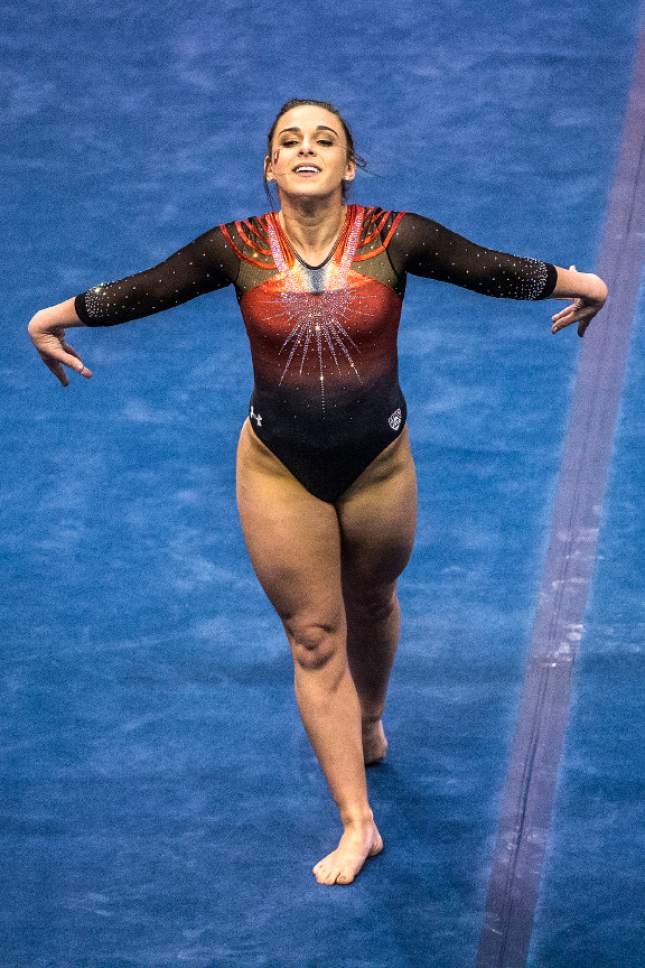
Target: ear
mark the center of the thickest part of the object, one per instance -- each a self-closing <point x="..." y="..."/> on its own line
<point x="268" y="172"/>
<point x="350" y="171"/>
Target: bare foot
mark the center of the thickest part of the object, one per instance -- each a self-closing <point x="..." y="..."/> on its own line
<point x="359" y="841"/>
<point x="375" y="743"/>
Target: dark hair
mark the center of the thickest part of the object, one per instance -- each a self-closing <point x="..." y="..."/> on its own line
<point x="296" y="102"/>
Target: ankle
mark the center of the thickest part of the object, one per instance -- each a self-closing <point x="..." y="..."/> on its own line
<point x="357" y="818"/>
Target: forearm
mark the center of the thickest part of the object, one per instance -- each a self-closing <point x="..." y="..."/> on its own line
<point x="576" y="284"/>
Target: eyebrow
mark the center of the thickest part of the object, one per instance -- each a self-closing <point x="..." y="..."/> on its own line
<point x="320" y="127"/>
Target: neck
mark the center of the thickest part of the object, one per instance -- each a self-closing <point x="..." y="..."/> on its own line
<point x="312" y="224"/>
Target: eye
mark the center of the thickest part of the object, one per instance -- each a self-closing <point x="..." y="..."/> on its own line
<point x="324" y="141"/>
<point x="291" y="141"/>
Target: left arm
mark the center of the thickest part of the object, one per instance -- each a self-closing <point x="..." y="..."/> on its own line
<point x="424" y="247"/>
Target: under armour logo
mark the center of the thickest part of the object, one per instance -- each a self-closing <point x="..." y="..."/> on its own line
<point x="394" y="419"/>
<point x="256" y="416"/>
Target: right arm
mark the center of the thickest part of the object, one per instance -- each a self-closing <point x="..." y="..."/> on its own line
<point x="205" y="264"/>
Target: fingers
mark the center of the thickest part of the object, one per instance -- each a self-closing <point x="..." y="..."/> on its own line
<point x="566" y="317"/>
<point x="55" y="358"/>
<point x="55" y="353"/>
<point x="70" y="349"/>
<point x="577" y="313"/>
<point x="57" y="370"/>
<point x="83" y="370"/>
<point x="75" y="364"/>
<point x="55" y="363"/>
<point x="80" y="368"/>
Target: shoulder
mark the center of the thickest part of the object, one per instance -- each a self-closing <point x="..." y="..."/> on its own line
<point x="249" y="239"/>
<point x="377" y="228"/>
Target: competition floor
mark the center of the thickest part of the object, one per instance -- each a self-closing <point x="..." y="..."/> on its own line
<point x="161" y="802"/>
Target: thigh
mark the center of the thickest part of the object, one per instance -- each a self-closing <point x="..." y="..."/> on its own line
<point x="292" y="537"/>
<point x="377" y="517"/>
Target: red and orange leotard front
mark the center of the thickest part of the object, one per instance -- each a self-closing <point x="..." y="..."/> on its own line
<point x="326" y="398"/>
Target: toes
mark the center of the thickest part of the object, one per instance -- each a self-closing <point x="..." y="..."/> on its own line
<point x="346" y="877"/>
<point x="326" y="876"/>
<point x="321" y="873"/>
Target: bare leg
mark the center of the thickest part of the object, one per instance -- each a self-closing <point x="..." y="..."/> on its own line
<point x="331" y="713"/>
<point x="294" y="544"/>
<point x="372" y="641"/>
<point x="377" y="516"/>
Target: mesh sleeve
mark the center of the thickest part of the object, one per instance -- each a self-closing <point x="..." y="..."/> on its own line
<point x="424" y="247"/>
<point x="205" y="264"/>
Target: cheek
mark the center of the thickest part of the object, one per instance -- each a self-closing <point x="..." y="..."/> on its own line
<point x="276" y="155"/>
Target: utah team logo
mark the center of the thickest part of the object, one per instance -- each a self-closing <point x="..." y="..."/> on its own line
<point x="394" y="419"/>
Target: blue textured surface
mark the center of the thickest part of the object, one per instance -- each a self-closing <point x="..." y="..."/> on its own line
<point x="161" y="800"/>
<point x="594" y="880"/>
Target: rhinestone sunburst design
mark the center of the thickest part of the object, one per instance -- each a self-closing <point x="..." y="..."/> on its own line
<point x="316" y="302"/>
<point x="320" y="327"/>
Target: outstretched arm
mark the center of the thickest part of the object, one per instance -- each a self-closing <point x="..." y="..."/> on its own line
<point x="424" y="247"/>
<point x="205" y="264"/>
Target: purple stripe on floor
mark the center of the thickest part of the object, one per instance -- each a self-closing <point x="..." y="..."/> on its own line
<point x="544" y="706"/>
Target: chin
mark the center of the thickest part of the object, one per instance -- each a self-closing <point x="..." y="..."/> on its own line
<point x="312" y="192"/>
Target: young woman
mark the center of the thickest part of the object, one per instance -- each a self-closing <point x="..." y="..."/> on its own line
<point x="326" y="486"/>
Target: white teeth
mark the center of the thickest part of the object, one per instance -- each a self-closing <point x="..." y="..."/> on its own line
<point x="307" y="168"/>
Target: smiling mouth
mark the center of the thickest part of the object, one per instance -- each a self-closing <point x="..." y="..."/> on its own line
<point x="307" y="171"/>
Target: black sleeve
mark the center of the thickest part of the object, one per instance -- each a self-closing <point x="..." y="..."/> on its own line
<point x="424" y="247"/>
<point x="202" y="265"/>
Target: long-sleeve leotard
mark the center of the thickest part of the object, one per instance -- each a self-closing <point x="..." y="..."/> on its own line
<point x="419" y="246"/>
<point x="326" y="397"/>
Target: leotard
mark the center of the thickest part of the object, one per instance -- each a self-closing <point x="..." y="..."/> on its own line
<point x="326" y="398"/>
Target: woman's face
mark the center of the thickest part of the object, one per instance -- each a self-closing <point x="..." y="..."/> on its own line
<point x="309" y="153"/>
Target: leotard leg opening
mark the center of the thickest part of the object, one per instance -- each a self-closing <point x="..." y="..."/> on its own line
<point x="328" y="456"/>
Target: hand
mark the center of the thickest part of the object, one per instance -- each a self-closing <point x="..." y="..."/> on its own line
<point x="583" y="310"/>
<point x="49" y="340"/>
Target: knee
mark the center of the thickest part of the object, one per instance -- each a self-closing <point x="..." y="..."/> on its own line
<point x="372" y="604"/>
<point x="314" y="644"/>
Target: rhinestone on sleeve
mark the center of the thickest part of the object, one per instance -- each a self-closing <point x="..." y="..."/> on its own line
<point x="180" y="277"/>
<point x="427" y="248"/>
<point x="96" y="305"/>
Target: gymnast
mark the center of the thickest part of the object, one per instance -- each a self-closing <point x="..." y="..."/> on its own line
<point x="325" y="481"/>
